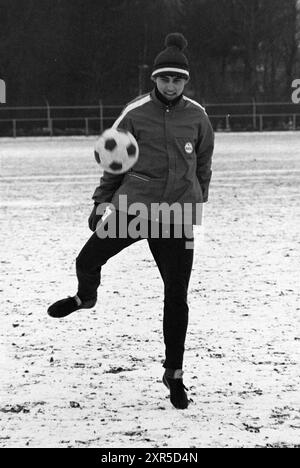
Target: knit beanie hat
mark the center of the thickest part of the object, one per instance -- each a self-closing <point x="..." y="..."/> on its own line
<point x="172" y="61"/>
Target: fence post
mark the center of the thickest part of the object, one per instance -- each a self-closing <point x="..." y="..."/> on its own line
<point x="49" y="117"/>
<point x="101" y="115"/>
<point x="50" y="123"/>
<point x="261" y="122"/>
<point x="254" y="113"/>
<point x="86" y="126"/>
<point x="14" y="128"/>
<point x="228" y="129"/>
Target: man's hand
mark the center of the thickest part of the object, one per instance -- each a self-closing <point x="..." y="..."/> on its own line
<point x="94" y="218"/>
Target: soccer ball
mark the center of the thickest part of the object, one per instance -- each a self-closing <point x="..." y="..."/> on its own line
<point x="116" y="151"/>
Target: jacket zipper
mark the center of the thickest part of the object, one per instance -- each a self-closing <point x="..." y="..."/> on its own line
<point x="138" y="177"/>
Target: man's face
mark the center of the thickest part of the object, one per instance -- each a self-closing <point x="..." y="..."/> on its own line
<point x="170" y="86"/>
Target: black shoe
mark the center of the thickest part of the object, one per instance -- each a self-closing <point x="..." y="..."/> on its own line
<point x="178" y="395"/>
<point x="69" y="305"/>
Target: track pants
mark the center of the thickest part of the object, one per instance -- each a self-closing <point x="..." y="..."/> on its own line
<point x="174" y="262"/>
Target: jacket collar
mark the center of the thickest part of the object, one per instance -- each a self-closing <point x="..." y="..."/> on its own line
<point x="178" y="104"/>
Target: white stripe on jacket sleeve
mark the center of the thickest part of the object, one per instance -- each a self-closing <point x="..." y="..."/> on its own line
<point x="130" y="107"/>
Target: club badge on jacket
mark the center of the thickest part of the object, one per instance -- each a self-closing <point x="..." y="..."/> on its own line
<point x="188" y="147"/>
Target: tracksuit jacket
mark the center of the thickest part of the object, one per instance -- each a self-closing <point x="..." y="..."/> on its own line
<point x="175" y="155"/>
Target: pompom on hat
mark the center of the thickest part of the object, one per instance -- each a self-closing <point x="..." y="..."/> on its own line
<point x="172" y="60"/>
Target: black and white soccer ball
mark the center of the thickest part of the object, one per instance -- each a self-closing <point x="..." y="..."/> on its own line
<point x="116" y="151"/>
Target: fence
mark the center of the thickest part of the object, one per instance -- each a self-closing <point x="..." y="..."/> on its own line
<point x="254" y="116"/>
<point x="92" y="120"/>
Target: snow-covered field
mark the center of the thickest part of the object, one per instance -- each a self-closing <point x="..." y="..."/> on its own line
<point x="94" y="379"/>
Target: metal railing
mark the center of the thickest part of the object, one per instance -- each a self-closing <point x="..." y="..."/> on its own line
<point x="92" y="120"/>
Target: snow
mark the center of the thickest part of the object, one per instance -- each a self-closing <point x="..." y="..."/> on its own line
<point x="94" y="379"/>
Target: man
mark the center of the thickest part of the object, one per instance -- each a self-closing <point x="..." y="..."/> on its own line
<point x="176" y="143"/>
